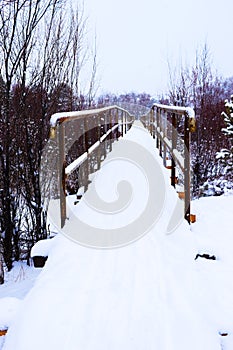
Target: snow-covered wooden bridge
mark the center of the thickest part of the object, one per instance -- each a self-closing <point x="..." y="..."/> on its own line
<point x="158" y="292"/>
<point x="83" y="139"/>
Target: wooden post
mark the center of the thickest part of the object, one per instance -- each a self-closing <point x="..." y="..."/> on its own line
<point x="99" y="148"/>
<point x="86" y="149"/>
<point x="105" y="141"/>
<point x="164" y="135"/>
<point x="187" y="168"/>
<point x="174" y="141"/>
<point x="153" y="123"/>
<point x="111" y="140"/>
<point x="157" y="125"/>
<point x="61" y="173"/>
<point x="117" y="120"/>
<point x="124" y="118"/>
<point x="122" y="131"/>
<point x="160" y="129"/>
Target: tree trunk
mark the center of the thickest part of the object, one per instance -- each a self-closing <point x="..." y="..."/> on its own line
<point x="7" y="223"/>
<point x="1" y="267"/>
<point x="1" y="273"/>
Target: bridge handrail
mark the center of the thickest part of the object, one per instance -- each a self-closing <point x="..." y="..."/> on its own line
<point x="106" y="119"/>
<point x="176" y="109"/>
<point x="157" y="123"/>
<point x="60" y="117"/>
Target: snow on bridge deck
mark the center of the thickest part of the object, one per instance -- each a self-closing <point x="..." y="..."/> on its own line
<point x="145" y="295"/>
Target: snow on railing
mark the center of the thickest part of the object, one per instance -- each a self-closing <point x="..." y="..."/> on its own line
<point x="67" y="116"/>
<point x="176" y="109"/>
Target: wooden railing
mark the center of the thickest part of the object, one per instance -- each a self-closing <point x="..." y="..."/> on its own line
<point x="171" y="127"/>
<point x="82" y="140"/>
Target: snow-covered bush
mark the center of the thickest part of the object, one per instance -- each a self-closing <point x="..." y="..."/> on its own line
<point x="216" y="187"/>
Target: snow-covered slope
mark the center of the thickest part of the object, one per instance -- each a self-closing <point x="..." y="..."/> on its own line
<point x="150" y="294"/>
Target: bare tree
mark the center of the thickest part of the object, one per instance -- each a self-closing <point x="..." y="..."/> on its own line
<point x="180" y="84"/>
<point x="61" y="54"/>
<point x="19" y="21"/>
<point x="200" y="87"/>
<point x="92" y="86"/>
<point x="43" y="51"/>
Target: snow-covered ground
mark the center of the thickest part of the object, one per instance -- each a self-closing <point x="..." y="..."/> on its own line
<point x="151" y="294"/>
<point x="17" y="284"/>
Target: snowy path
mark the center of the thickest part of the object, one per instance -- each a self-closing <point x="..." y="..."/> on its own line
<point x="151" y="294"/>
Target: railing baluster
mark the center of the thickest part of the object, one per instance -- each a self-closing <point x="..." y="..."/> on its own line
<point x="164" y="135"/>
<point x="152" y="123"/>
<point x="86" y="149"/>
<point x="111" y="133"/>
<point x="99" y="148"/>
<point x="174" y="143"/>
<point x="160" y="138"/>
<point x="117" y="120"/>
<point x="157" y="125"/>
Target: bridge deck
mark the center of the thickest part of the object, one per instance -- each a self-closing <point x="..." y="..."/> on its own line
<point x="151" y="294"/>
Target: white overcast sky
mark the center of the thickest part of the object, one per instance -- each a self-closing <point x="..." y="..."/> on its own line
<point x="136" y="38"/>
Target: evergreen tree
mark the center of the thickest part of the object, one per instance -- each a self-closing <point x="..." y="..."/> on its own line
<point x="226" y="154"/>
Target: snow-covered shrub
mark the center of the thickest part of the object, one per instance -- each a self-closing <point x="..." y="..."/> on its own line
<point x="216" y="187"/>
